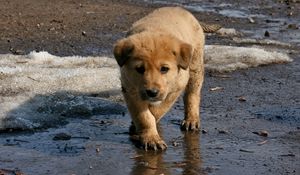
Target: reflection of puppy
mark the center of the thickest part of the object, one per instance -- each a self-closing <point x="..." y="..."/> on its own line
<point x="161" y="57"/>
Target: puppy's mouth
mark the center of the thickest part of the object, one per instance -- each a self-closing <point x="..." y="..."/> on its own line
<point x="154" y="102"/>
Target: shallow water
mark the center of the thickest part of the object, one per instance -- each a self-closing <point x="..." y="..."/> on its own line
<point x="235" y="9"/>
<point x="264" y="98"/>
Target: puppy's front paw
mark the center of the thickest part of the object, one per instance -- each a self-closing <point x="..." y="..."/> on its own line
<point x="190" y="125"/>
<point x="149" y="141"/>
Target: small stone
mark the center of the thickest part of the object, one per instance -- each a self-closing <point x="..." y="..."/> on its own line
<point x="216" y="89"/>
<point x="293" y="26"/>
<point x="62" y="136"/>
<point x="246" y="150"/>
<point x="223" y="132"/>
<point x="272" y="21"/>
<point x="51" y="29"/>
<point x="262" y="133"/>
<point x="175" y="144"/>
<point x="242" y="99"/>
<point x="19" y="52"/>
<point x="267" y="34"/>
<point x="227" y="32"/>
<point x="251" y="20"/>
<point x="288" y="155"/>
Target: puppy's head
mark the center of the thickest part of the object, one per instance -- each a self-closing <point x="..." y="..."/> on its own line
<point x="151" y="63"/>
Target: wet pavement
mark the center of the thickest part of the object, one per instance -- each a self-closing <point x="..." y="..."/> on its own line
<point x="253" y="101"/>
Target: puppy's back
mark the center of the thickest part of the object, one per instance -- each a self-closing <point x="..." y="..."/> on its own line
<point x="170" y="20"/>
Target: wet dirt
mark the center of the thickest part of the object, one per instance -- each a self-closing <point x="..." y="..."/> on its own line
<point x="250" y="101"/>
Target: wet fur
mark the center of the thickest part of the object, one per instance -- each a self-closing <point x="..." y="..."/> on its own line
<point x="168" y="37"/>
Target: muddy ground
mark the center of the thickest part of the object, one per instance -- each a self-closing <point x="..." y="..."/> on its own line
<point x="250" y="101"/>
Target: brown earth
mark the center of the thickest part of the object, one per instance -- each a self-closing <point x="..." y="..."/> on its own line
<point x="65" y="27"/>
<point x="254" y="100"/>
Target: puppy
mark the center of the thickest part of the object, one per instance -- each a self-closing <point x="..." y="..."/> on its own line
<point x="161" y="57"/>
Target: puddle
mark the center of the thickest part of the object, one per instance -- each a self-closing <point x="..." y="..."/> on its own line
<point x="233" y="13"/>
<point x="225" y="9"/>
<point x="99" y="144"/>
<point x="279" y="28"/>
<point x="285" y="115"/>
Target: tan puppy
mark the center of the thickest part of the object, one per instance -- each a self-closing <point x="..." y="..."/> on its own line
<point x="161" y="57"/>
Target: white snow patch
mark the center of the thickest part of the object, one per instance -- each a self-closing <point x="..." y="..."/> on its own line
<point x="39" y="89"/>
<point x="70" y="61"/>
<point x="228" y="32"/>
<point x="229" y="58"/>
<point x="260" y="42"/>
<point x="29" y="82"/>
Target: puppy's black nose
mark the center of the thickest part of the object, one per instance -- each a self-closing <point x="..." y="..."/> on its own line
<point x="152" y="92"/>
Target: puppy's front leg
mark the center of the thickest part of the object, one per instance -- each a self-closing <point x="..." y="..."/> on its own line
<point x="192" y="95"/>
<point x="192" y="102"/>
<point x="144" y="124"/>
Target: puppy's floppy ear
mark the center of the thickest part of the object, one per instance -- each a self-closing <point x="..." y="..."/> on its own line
<point x="185" y="56"/>
<point x="122" y="51"/>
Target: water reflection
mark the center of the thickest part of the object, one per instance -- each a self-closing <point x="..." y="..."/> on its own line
<point x="148" y="163"/>
<point x="186" y="158"/>
<point x="192" y="154"/>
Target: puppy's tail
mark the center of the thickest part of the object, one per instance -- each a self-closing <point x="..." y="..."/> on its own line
<point x="210" y="28"/>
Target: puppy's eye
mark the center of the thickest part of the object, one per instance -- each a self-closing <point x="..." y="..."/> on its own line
<point x="164" y="69"/>
<point x="140" y="69"/>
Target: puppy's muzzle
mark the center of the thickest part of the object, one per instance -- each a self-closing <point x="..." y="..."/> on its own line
<point x="153" y="96"/>
<point x="152" y="93"/>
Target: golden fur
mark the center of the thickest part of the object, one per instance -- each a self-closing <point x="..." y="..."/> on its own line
<point x="161" y="57"/>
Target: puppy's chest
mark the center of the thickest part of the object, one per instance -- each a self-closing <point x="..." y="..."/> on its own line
<point x="182" y="79"/>
<point x="161" y="109"/>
